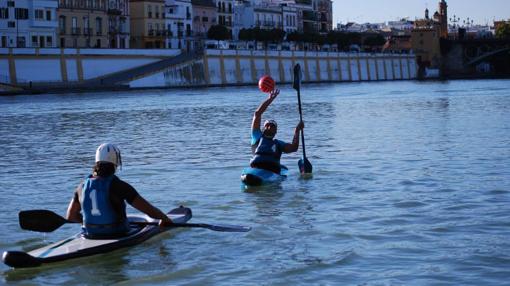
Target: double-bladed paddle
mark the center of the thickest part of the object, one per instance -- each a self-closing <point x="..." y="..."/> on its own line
<point x="305" y="167"/>
<point x="48" y="221"/>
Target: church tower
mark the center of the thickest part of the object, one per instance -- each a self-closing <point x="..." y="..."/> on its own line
<point x="443" y="18"/>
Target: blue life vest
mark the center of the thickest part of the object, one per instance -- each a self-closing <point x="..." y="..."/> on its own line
<point x="267" y="151"/>
<point x="99" y="217"/>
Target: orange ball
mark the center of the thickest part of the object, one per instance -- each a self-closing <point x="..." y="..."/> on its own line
<point x="266" y="84"/>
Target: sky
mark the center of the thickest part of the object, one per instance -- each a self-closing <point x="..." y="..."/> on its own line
<point x="378" y="11"/>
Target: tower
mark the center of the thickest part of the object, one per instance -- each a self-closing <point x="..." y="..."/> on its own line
<point x="443" y="18"/>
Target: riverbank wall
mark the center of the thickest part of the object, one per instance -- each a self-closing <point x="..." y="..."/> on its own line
<point x="237" y="67"/>
<point x="57" y="70"/>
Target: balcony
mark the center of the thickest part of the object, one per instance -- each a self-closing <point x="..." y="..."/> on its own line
<point x="114" y="11"/>
<point x="304" y="2"/>
<point x="75" y="31"/>
<point x="87" y="31"/>
<point x="309" y="16"/>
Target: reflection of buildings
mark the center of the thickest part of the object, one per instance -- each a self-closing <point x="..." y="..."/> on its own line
<point x="28" y="23"/>
<point x="83" y="24"/>
<point x="426" y="35"/>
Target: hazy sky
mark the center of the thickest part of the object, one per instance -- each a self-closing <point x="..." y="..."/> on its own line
<point x="375" y="11"/>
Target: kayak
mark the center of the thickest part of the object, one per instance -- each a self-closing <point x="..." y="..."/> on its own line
<point x="78" y="245"/>
<point x="252" y="177"/>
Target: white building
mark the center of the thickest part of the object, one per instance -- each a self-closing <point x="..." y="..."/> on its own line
<point x="290" y="18"/>
<point x="243" y="17"/>
<point x="178" y="21"/>
<point x="268" y="17"/>
<point x="225" y="12"/>
<point x="28" y="23"/>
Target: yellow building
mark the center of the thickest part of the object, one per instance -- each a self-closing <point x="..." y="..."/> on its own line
<point x="147" y="24"/>
<point x="83" y="24"/>
<point x="425" y="40"/>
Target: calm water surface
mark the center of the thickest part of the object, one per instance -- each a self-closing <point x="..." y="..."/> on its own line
<point x="411" y="184"/>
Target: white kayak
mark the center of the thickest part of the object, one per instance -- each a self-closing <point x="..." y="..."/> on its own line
<point x="78" y="245"/>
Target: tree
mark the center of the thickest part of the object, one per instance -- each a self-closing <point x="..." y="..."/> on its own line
<point x="246" y="35"/>
<point x="374" y="40"/>
<point x="503" y="31"/>
<point x="219" y="33"/>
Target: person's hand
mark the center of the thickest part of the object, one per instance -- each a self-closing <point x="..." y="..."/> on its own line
<point x="300" y="126"/>
<point x="273" y="94"/>
<point x="165" y="222"/>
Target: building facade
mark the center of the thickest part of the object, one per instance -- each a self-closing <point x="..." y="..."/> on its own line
<point x="118" y="24"/>
<point x="225" y="10"/>
<point x="204" y="13"/>
<point x="178" y="21"/>
<point x="83" y="24"/>
<point x="147" y="25"/>
<point x="28" y="23"/>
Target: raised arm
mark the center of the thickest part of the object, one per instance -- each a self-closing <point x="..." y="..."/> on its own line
<point x="257" y="116"/>
<point x="294" y="146"/>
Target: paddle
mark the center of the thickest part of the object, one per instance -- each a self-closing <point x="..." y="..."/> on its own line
<point x="305" y="167"/>
<point x="48" y="221"/>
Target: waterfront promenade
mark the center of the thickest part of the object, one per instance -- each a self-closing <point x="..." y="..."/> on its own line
<point x="60" y="70"/>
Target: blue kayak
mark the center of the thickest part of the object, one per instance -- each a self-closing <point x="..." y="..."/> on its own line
<point x="252" y="177"/>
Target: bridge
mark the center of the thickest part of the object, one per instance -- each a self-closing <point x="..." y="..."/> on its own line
<point x="463" y="57"/>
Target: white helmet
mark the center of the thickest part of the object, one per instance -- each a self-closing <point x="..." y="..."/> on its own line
<point x="108" y="152"/>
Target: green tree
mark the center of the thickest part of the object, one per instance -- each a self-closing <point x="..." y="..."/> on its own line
<point x="374" y="40"/>
<point x="219" y="33"/>
<point x="503" y="31"/>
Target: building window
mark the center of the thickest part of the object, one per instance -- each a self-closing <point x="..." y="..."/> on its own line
<point x="11" y="24"/>
<point x="34" y="42"/>
<point x="4" y="13"/>
<point x="157" y="12"/>
<point x="21" y="13"/>
<point x="99" y="26"/>
<point x="48" y="15"/>
<point x="49" y="41"/>
<point x="39" y="14"/>
<point x="149" y="11"/>
<point x="10" y="3"/>
<point x="20" y="42"/>
<point x="62" y="24"/>
<point x="4" y="42"/>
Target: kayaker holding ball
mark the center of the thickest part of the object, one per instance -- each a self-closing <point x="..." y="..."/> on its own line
<point x="99" y="201"/>
<point x="266" y="149"/>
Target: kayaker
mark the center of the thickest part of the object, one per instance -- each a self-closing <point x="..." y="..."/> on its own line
<point x="99" y="201"/>
<point x="266" y="149"/>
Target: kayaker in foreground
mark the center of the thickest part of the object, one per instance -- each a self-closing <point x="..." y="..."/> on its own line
<point x="266" y="149"/>
<point x="99" y="201"/>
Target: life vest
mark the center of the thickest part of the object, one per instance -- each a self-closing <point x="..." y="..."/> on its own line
<point x="267" y="151"/>
<point x="99" y="217"/>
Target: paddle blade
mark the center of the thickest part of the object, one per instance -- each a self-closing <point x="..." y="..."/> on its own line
<point x="223" y="227"/>
<point x="229" y="228"/>
<point x="297" y="77"/>
<point x="40" y="220"/>
<point x="305" y="167"/>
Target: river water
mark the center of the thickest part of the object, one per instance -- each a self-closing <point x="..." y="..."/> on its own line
<point x="411" y="184"/>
